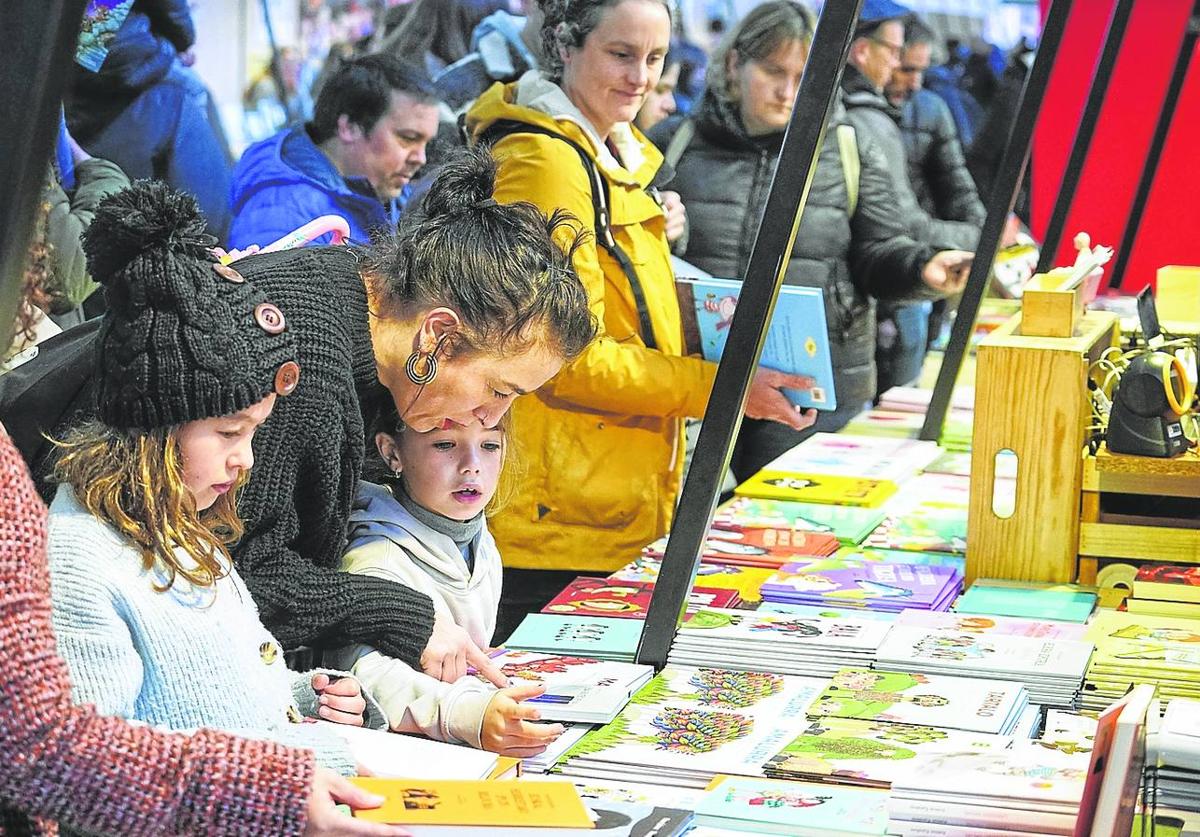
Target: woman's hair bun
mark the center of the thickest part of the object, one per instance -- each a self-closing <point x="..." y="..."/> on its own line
<point x="143" y="216"/>
<point x="464" y="181"/>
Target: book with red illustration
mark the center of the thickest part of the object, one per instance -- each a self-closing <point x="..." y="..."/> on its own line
<point x="1166" y="582"/>
<point x="769" y="548"/>
<point x="586" y="596"/>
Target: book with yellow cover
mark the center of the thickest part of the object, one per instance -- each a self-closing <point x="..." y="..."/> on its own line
<point x="816" y="488"/>
<point x="527" y="804"/>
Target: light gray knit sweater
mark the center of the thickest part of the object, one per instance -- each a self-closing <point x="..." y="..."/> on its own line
<point x="180" y="659"/>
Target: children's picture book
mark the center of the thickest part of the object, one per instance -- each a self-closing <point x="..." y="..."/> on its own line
<point x="1133" y="648"/>
<point x="101" y="20"/>
<point x="598" y="637"/>
<point x="969" y="623"/>
<point x="899" y="697"/>
<point x="1167" y="582"/>
<point x="689" y="724"/>
<point x="890" y="423"/>
<point x="877" y="586"/>
<point x="847" y="455"/>
<point x="816" y="488"/>
<point x="772" y="806"/>
<point x="797" y="341"/>
<point x="899" y="556"/>
<point x="756" y="547"/>
<point x="525" y="804"/>
<point x="846" y="523"/>
<point x="610" y="818"/>
<point x="869" y="752"/>
<point x="743" y="580"/>
<point x="391" y="755"/>
<point x="960" y="651"/>
<point x="586" y="596"/>
<point x="1061" y="602"/>
<point x="578" y="689"/>
<point x="829" y="612"/>
<point x="922" y="532"/>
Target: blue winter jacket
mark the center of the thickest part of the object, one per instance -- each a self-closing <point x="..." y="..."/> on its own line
<point x="285" y="181"/>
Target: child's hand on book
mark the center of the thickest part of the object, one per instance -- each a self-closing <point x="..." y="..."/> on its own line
<point x="340" y="700"/>
<point x="325" y="817"/>
<point x="507" y="723"/>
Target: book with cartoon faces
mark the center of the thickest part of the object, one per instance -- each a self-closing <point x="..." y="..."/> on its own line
<point x="969" y="623"/>
<point x="722" y="628"/>
<point x="1162" y="644"/>
<point x="878" y="586"/>
<point x="1007" y="656"/>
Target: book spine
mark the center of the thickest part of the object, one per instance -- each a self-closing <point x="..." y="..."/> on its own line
<point x="901" y="828"/>
<point x="978" y="816"/>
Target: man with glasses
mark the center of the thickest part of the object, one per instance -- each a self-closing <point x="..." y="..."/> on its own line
<point x="875" y="56"/>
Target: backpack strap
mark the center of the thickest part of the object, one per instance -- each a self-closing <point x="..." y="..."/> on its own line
<point x="851" y="164"/>
<point x="600" y="203"/>
<point x="680" y="142"/>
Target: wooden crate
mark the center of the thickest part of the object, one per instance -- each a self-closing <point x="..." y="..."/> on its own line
<point x="1031" y="398"/>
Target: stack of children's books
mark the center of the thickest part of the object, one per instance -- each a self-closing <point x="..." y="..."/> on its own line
<point x="578" y="689"/>
<point x="596" y="637"/>
<point x="689" y="724"/>
<point x="817" y="488"/>
<point x="586" y="596"/>
<point x="1173" y="756"/>
<point x="1050" y="664"/>
<point x="930" y="515"/>
<point x="1027" y="789"/>
<point x="864" y="457"/>
<point x="1166" y="590"/>
<point x="803" y="645"/>
<point x="1132" y="648"/>
<point x="1057" y="602"/>
<point x="772" y="806"/>
<point x="897" y="697"/>
<point x="850" y="525"/>
<point x="757" y="547"/>
<point x="876" y="586"/>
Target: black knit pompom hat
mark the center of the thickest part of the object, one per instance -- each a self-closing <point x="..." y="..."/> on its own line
<point x="185" y="338"/>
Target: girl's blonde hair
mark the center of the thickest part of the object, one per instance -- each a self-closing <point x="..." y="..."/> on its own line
<point x="133" y="481"/>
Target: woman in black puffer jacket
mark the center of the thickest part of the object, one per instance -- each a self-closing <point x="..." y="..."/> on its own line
<point x="724" y="173"/>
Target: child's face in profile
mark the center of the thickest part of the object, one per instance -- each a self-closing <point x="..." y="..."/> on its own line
<point x="216" y="451"/>
<point x="452" y="472"/>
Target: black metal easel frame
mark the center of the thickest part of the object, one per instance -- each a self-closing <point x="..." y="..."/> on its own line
<point x="1162" y="130"/>
<point x="764" y="275"/>
<point x="1000" y="204"/>
<point x="1118" y="22"/>
<point x="35" y="65"/>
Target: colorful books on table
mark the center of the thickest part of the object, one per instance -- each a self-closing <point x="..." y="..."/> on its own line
<point x="1166" y="582"/>
<point x="864" y="457"/>
<point x="578" y="636"/>
<point x="971" y="704"/>
<point x="1027" y="789"/>
<point x="689" y="724"/>
<point x="544" y="761"/>
<point x="898" y="556"/>
<point x="831" y="612"/>
<point x="1060" y="602"/>
<point x="578" y="689"/>
<point x="875" y="586"/>
<point x="1173" y="753"/>
<point x="869" y="753"/>
<point x="611" y="818"/>
<point x="930" y="515"/>
<point x="392" y="755"/>
<point x="796" y="342"/>
<point x="525" y="804"/>
<point x="982" y="625"/>
<point x="1133" y="648"/>
<point x="1050" y="669"/>
<point x="756" y="547"/>
<point x="772" y="806"/>
<point x="743" y="580"/>
<point x="916" y="399"/>
<point x="796" y="645"/>
<point x="890" y="423"/>
<point x="816" y="488"/>
<point x="850" y="525"/>
<point x="604" y="597"/>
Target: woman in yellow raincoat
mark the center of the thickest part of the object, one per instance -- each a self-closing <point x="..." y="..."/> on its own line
<point x="603" y="441"/>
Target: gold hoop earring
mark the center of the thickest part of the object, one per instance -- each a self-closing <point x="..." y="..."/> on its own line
<point x="423" y="378"/>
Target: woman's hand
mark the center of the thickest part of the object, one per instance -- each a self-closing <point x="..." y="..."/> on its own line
<point x="676" y="214"/>
<point x="324" y="819"/>
<point x="450" y="650"/>
<point x="766" y="401"/>
<point x="506" y="723"/>
<point x="947" y="271"/>
<point x="340" y="700"/>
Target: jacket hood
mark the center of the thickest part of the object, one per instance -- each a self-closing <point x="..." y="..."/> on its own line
<point x="535" y="100"/>
<point x="288" y="158"/>
<point x="859" y="92"/>
<point x="378" y="515"/>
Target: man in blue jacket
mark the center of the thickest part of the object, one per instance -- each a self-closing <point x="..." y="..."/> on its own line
<point x="367" y="139"/>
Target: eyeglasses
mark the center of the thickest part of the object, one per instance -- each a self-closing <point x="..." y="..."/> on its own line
<point x="894" y="49"/>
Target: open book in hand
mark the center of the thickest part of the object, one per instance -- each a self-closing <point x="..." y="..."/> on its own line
<point x="797" y="341"/>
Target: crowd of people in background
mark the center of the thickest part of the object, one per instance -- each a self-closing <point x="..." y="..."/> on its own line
<point x="371" y="460"/>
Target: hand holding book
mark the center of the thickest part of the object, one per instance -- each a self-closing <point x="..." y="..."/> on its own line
<point x="767" y="400"/>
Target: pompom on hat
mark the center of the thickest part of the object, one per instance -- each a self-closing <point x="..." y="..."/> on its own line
<point x="185" y="338"/>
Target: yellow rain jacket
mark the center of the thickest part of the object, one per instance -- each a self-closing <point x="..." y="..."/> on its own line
<point x="601" y="445"/>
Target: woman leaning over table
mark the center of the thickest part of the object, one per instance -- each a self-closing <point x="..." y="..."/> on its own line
<point x="603" y="439"/>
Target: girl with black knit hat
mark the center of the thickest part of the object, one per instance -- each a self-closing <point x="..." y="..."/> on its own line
<point x="153" y="620"/>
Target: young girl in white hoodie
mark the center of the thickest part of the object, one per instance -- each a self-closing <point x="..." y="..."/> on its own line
<point x="425" y="528"/>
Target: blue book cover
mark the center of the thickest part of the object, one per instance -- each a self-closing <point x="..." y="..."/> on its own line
<point x="101" y="20"/>
<point x="596" y="637"/>
<point x="797" y="341"/>
<point x="770" y="806"/>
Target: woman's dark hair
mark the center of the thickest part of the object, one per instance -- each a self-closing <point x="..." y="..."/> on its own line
<point x="764" y="29"/>
<point x="362" y="90"/>
<point x="500" y="266"/>
<point x="567" y="23"/>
